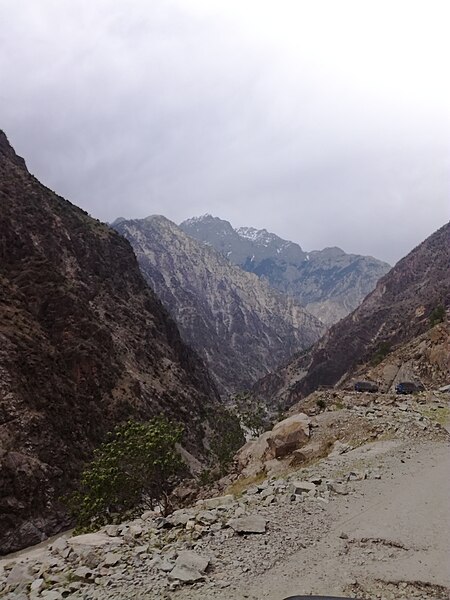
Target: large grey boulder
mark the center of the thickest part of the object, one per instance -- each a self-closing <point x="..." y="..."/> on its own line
<point x="285" y="437"/>
<point x="249" y="524"/>
<point x="192" y="560"/>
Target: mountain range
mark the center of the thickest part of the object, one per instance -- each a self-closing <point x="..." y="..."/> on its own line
<point x="87" y="341"/>
<point x="84" y="345"/>
<point x="239" y="324"/>
<point x="400" y="309"/>
<point x="329" y="283"/>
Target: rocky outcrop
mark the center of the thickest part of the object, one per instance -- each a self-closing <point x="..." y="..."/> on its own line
<point x="329" y="283"/>
<point x="84" y="344"/>
<point x="396" y="312"/>
<point x="424" y="360"/>
<point x="240" y="326"/>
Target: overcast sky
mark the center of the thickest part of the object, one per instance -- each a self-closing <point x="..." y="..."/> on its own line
<point x="326" y="122"/>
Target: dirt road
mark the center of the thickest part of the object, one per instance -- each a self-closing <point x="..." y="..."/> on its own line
<point x="390" y="538"/>
<point x="405" y="519"/>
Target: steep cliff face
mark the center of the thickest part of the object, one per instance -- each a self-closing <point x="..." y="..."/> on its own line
<point x="84" y="344"/>
<point x="396" y="312"/>
<point x="425" y="359"/>
<point x="237" y="323"/>
<point x="329" y="283"/>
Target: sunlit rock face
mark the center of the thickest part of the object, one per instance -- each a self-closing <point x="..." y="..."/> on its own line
<point x="240" y="325"/>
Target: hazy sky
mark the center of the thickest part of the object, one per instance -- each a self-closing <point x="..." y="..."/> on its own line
<point x="326" y="122"/>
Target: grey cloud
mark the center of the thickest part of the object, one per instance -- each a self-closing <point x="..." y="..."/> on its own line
<point x="165" y="107"/>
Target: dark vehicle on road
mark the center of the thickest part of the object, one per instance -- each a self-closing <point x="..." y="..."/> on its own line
<point x="408" y="387"/>
<point x="366" y="386"/>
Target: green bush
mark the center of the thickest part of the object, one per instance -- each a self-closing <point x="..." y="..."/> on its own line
<point x="227" y="439"/>
<point x="437" y="315"/>
<point x="321" y="403"/>
<point x="138" y="463"/>
<point x="383" y="350"/>
<point x="252" y="413"/>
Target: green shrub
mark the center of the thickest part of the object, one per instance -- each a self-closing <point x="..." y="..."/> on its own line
<point x="383" y="350"/>
<point x="252" y="413"/>
<point x="321" y="404"/>
<point x="228" y="438"/>
<point x="437" y="315"/>
<point x="136" y="464"/>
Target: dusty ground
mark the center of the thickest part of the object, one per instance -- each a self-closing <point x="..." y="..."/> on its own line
<point x="377" y="528"/>
<point x="389" y="538"/>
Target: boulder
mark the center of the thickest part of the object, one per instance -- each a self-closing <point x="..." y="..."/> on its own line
<point x="192" y="560"/>
<point x="87" y="541"/>
<point x="185" y="574"/>
<point x="286" y="437"/>
<point x="309" y="452"/>
<point x="111" y="559"/>
<point x="209" y="503"/>
<point x="302" y="487"/>
<point x="249" y="524"/>
<point x="20" y="574"/>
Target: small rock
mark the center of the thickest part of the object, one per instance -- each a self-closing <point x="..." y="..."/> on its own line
<point x="112" y="530"/>
<point x="338" y="488"/>
<point x="111" y="559"/>
<point x="302" y="487"/>
<point x="250" y="524"/>
<point x="185" y="574"/>
<point x="339" y="448"/>
<point x="163" y="523"/>
<point x="268" y="500"/>
<point x="191" y="559"/>
<point x="268" y="491"/>
<point x="83" y="573"/>
<point x="215" y="502"/>
<point x="20" y="574"/>
<point x="207" y="516"/>
<point x="37" y="585"/>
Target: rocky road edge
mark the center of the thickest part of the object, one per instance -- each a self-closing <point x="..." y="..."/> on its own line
<point x="225" y="542"/>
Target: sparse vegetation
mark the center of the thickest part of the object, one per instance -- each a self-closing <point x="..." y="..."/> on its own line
<point x="252" y="414"/>
<point x="228" y="439"/>
<point x="321" y="403"/>
<point x="138" y="463"/>
<point x="437" y="315"/>
<point x="436" y="414"/>
<point x="383" y="350"/>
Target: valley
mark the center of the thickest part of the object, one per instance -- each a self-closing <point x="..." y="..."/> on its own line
<point x="101" y="326"/>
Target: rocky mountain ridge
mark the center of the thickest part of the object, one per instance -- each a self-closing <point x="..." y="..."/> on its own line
<point x="240" y="326"/>
<point x="329" y="283"/>
<point x="394" y="314"/>
<point x="84" y="345"/>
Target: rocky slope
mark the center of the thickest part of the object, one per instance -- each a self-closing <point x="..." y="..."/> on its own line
<point x="84" y="344"/>
<point x="240" y="326"/>
<point x="425" y="359"/>
<point x="360" y="521"/>
<point x="395" y="313"/>
<point x="329" y="283"/>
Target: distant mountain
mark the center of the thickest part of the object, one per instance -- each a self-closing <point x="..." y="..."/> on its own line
<point x="329" y="283"/>
<point x="241" y="326"/>
<point x="84" y="345"/>
<point x="394" y="314"/>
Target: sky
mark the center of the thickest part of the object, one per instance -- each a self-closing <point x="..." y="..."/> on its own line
<point x="325" y="122"/>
